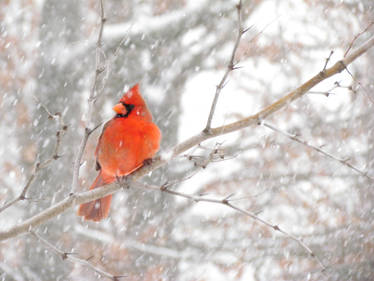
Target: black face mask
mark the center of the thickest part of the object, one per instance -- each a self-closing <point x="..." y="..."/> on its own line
<point x="129" y="108"/>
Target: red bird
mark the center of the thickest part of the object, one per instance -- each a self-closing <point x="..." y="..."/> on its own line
<point x="125" y="142"/>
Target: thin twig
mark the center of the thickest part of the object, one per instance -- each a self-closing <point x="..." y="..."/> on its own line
<point x="98" y="68"/>
<point x="96" y="193"/>
<point x="22" y="195"/>
<point x="277" y="228"/>
<point x="356" y="37"/>
<point x="73" y="258"/>
<point x="227" y="202"/>
<point x="230" y="67"/>
<point x="316" y="148"/>
<point x="78" y="159"/>
<point x="327" y="93"/>
<point x="327" y="60"/>
<point x="38" y="166"/>
<point x="330" y="91"/>
<point x="366" y="92"/>
<point x="203" y="161"/>
<point x="91" y="101"/>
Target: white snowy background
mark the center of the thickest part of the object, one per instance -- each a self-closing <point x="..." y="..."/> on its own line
<point x="178" y="51"/>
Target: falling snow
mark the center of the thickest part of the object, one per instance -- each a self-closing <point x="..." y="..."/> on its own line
<point x="178" y="51"/>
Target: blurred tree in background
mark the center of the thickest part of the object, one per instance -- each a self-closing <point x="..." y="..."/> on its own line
<point x="178" y="51"/>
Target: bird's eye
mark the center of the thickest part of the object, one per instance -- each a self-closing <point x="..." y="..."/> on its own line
<point x="129" y="107"/>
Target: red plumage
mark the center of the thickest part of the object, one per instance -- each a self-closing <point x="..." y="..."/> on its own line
<point x="125" y="142"/>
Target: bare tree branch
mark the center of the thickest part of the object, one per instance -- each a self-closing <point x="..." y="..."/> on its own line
<point x="38" y="166"/>
<point x="73" y="258"/>
<point x="328" y="59"/>
<point x="366" y="92"/>
<point x="295" y="94"/>
<point x="227" y="202"/>
<point x="230" y="67"/>
<point x="356" y="37"/>
<point x="330" y="91"/>
<point x="75" y="199"/>
<point x="91" y="101"/>
<point x="316" y="148"/>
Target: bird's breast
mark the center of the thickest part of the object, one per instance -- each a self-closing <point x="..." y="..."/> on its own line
<point x="124" y="145"/>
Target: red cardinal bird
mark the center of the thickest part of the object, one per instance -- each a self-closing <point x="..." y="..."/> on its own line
<point x="125" y="142"/>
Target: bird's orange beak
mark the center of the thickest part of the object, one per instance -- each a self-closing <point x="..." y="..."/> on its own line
<point x="119" y="108"/>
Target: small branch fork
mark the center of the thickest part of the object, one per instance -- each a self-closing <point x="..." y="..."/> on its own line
<point x="38" y="166"/>
<point x="316" y="148"/>
<point x="91" y="100"/>
<point x="366" y="92"/>
<point x="356" y="37"/>
<point x="327" y="60"/>
<point x="330" y="91"/>
<point x="230" y="67"/>
<point x="227" y="202"/>
<point x="72" y="258"/>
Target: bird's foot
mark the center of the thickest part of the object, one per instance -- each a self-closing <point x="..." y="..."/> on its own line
<point x="149" y="161"/>
<point x="123" y="182"/>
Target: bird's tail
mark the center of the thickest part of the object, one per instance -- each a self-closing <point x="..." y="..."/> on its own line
<point x="98" y="209"/>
